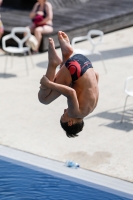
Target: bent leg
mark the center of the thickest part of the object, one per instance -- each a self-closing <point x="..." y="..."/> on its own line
<point x="32" y="27"/>
<point x="45" y="95"/>
<point x="1" y="29"/>
<point x="38" y="34"/>
<point x="54" y="61"/>
<point x="47" y="29"/>
<point x="1" y="32"/>
<point x="63" y="76"/>
<point x="65" y="45"/>
<point x="1" y="35"/>
<point x="42" y="30"/>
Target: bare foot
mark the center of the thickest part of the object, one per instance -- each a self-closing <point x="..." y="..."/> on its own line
<point x="54" y="59"/>
<point x="65" y="45"/>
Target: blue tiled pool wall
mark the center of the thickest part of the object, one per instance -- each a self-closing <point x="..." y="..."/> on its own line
<point x="22" y="183"/>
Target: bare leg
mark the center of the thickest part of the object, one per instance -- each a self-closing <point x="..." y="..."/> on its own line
<point x="38" y="35"/>
<point x="1" y="26"/>
<point x="65" y="45"/>
<point x="54" y="61"/>
<point x="41" y="30"/>
<point x="31" y="29"/>
<point x="1" y="35"/>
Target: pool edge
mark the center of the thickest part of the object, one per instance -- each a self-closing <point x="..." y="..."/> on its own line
<point x="57" y="168"/>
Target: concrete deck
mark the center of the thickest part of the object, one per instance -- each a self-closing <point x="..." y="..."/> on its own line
<point x="75" y="17"/>
<point x="105" y="145"/>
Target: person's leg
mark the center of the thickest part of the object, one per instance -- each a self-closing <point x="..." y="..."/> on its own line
<point x="1" y="35"/>
<point x="32" y="27"/>
<point x="54" y="61"/>
<point x="63" y="76"/>
<point x="53" y="57"/>
<point x="65" y="45"/>
<point x="41" y="30"/>
<point x="1" y="29"/>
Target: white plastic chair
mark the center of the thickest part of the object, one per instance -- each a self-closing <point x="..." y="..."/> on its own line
<point x="128" y="92"/>
<point x="20" y="49"/>
<point x="93" y="43"/>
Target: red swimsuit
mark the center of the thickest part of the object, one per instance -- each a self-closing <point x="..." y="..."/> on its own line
<point x="77" y="66"/>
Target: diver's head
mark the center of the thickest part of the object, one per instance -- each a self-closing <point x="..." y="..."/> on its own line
<point x="71" y="126"/>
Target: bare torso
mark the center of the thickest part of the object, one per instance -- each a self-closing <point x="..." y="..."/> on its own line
<point x="48" y="8"/>
<point x="49" y="11"/>
<point x="86" y="88"/>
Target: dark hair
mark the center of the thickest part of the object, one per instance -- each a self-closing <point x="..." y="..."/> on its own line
<point x="71" y="131"/>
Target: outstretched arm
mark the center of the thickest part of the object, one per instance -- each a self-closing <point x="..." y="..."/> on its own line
<point x="70" y="93"/>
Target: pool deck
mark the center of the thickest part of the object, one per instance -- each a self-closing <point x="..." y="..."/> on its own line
<point x="76" y="17"/>
<point x="105" y="145"/>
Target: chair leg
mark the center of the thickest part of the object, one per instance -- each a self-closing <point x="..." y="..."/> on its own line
<point x="31" y="58"/>
<point x="124" y="108"/>
<point x="12" y="59"/>
<point x="103" y="63"/>
<point x="26" y="64"/>
<point x="5" y="64"/>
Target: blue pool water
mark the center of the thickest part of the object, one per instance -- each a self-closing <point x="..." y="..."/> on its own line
<point x="21" y="183"/>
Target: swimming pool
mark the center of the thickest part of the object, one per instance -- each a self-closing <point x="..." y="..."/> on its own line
<point x="25" y="176"/>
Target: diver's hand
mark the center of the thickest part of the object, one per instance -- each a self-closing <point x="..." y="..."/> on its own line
<point x="44" y="82"/>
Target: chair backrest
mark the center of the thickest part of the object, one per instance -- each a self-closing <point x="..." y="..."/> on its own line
<point x="4" y="38"/>
<point x="95" y="33"/>
<point x="13" y="35"/>
<point x="23" y="30"/>
<point x="78" y="39"/>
